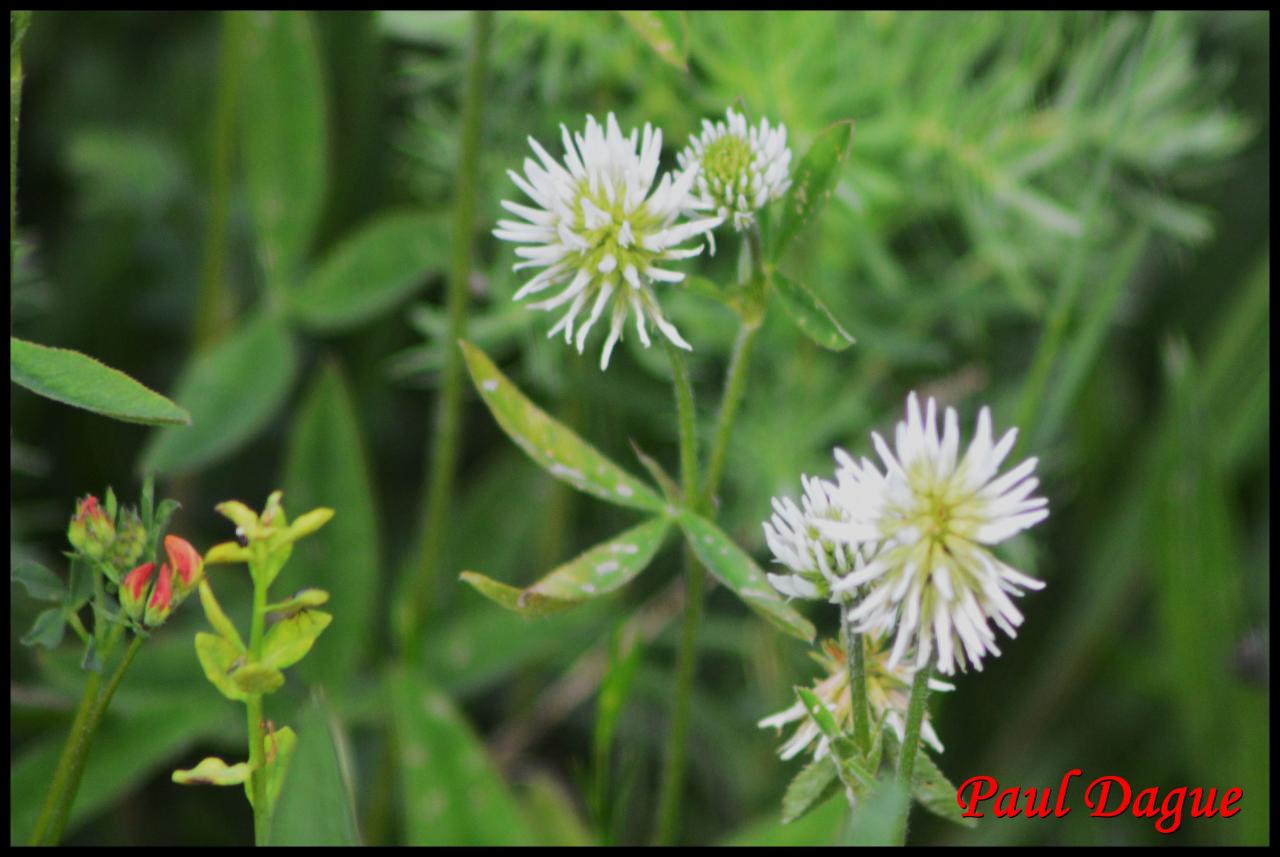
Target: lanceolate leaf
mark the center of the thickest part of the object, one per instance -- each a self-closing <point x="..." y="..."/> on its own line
<point x="327" y="464"/>
<point x="450" y="791"/>
<point x="82" y="382"/>
<point x="40" y="583"/>
<point x="553" y="446"/>
<point x="813" y="182"/>
<point x="935" y="793"/>
<point x="732" y="567"/>
<point x="233" y="391"/>
<point x="218" y="656"/>
<point x="810" y="788"/>
<point x="596" y="572"/>
<point x="810" y="314"/>
<point x="666" y="31"/>
<point x="371" y="271"/>
<point x="314" y="806"/>
<point x="285" y="135"/>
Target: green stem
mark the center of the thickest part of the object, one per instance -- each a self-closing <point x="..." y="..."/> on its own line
<point x="18" y="23"/>
<point x="211" y="299"/>
<point x="911" y="739"/>
<point x="254" y="712"/>
<point x="686" y="660"/>
<point x="442" y="462"/>
<point x="66" y="779"/>
<point x="735" y="386"/>
<point x="855" y="656"/>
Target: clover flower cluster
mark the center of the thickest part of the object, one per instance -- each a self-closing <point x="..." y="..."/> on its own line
<point x="603" y="235"/>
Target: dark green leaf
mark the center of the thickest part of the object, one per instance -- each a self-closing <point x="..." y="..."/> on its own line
<point x="450" y="791"/>
<point x="372" y="271"/>
<point x="233" y="391"/>
<point x="82" y="382"/>
<point x="810" y="314"/>
<point x="40" y="583"/>
<point x="732" y="567"/>
<point x="597" y="571"/>
<point x="327" y="465"/>
<point x="813" y="182"/>
<point x="935" y="793"/>
<point x="285" y="134"/>
<point x="48" y="628"/>
<point x="552" y="445"/>
<point x="315" y="805"/>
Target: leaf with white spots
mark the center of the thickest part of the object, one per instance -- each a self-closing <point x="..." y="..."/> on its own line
<point x="813" y="183"/>
<point x="598" y="571"/>
<point x="451" y="792"/>
<point x="732" y="567"/>
<point x="554" y="447"/>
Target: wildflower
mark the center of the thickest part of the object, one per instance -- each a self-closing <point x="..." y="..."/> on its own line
<point x="91" y="532"/>
<point x="602" y="231"/>
<point x="888" y="691"/>
<point x="813" y="560"/>
<point x="743" y="168"/>
<point x="927" y="524"/>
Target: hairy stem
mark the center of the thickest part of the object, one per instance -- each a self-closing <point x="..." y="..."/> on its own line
<point x="911" y="739"/>
<point x="254" y="714"/>
<point x="686" y="662"/>
<point x="442" y="462"/>
<point x="855" y="657"/>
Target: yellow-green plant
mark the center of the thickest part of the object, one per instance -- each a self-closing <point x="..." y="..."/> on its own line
<point x="247" y="673"/>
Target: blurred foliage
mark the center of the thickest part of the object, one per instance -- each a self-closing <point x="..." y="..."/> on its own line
<point x="1106" y="176"/>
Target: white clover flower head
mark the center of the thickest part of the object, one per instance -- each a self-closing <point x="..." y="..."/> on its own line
<point x="602" y="230"/>
<point x="743" y="167"/>
<point x="888" y="692"/>
<point x="814" y="561"/>
<point x="927" y="524"/>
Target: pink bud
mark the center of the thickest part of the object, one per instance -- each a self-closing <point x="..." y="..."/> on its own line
<point x="161" y="603"/>
<point x="133" y="590"/>
<point x="186" y="561"/>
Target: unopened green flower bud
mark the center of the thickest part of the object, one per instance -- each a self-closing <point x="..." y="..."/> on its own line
<point x="130" y="541"/>
<point x="91" y="532"/>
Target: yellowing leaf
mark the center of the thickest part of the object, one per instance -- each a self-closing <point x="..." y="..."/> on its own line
<point x="212" y="771"/>
<point x="289" y="640"/>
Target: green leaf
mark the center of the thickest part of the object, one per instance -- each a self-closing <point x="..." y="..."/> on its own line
<point x="670" y="490"/>
<point x="813" y="182"/>
<point x="372" y="271"/>
<point x="285" y="137"/>
<point x="935" y="793"/>
<point x="218" y="657"/>
<point x="451" y="792"/>
<point x="877" y="817"/>
<point x="289" y="640"/>
<point x="80" y="585"/>
<point x="327" y="464"/>
<point x="233" y="391"/>
<point x="48" y="628"/>
<point x="254" y="679"/>
<point x="819" y="713"/>
<point x="596" y="572"/>
<point x="212" y="771"/>
<point x="732" y="567"/>
<point x="301" y="600"/>
<point x="280" y="745"/>
<point x="218" y="619"/>
<point x="664" y="30"/>
<point x="80" y="381"/>
<point x="553" y="446"/>
<point x="40" y="583"/>
<point x="551" y="813"/>
<point x="315" y="805"/>
<point x="810" y="314"/>
<point x="820" y="826"/>
<point x="815" y="783"/>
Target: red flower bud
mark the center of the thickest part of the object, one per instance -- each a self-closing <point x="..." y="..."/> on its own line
<point x="133" y="590"/>
<point x="91" y="532"/>
<point x="186" y="562"/>
<point x="161" y="603"/>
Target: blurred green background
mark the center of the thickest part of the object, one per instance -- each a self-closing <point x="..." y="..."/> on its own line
<point x="1066" y="216"/>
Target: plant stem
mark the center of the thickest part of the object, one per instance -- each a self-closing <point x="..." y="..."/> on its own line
<point x="66" y="779"/>
<point x="855" y="656"/>
<point x="254" y="712"/>
<point x="212" y="308"/>
<point x="686" y="660"/>
<point x="911" y="738"/>
<point x="442" y="462"/>
<point x="734" y="386"/>
<point x="18" y="23"/>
